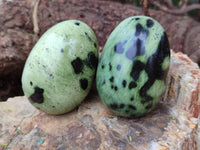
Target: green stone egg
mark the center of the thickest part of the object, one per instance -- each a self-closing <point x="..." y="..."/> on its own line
<point x="133" y="67"/>
<point x="61" y="67"/>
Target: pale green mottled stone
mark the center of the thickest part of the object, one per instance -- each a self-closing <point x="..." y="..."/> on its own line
<point x="49" y="79"/>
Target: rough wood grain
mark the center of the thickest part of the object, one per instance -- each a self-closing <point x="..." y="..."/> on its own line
<point x="172" y="125"/>
<point x="17" y="36"/>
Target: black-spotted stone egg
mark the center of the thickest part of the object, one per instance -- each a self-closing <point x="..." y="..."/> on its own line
<point x="60" y="69"/>
<point x="133" y="66"/>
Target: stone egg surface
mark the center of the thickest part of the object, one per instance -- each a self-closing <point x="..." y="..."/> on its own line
<point x="133" y="67"/>
<point x="60" y="69"/>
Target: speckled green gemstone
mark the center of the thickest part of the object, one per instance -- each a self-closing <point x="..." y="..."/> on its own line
<point x="60" y="69"/>
<point x="133" y="66"/>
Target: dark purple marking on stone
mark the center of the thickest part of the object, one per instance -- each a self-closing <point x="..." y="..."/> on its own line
<point x="138" y="46"/>
<point x="51" y="76"/>
<point x="118" y="48"/>
<point x="118" y="67"/>
<point x="62" y="50"/>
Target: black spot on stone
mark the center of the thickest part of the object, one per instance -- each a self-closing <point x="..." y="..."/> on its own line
<point x="113" y="106"/>
<point x="119" y="47"/>
<point x="77" y="23"/>
<point x="150" y="23"/>
<point x="127" y="111"/>
<point x="77" y="64"/>
<point x="31" y="83"/>
<point x="132" y="85"/>
<point x="143" y="90"/>
<point x="111" y="79"/>
<point x="143" y="101"/>
<point x="149" y="106"/>
<point x="84" y="83"/>
<point x="51" y="76"/>
<point x="141" y="30"/>
<point x="92" y="60"/>
<point x="53" y="106"/>
<point x="154" y="68"/>
<point x="132" y="107"/>
<point x="116" y="88"/>
<point x="137" y="18"/>
<point x="104" y="82"/>
<point x="140" y="51"/>
<point x="112" y="86"/>
<point x="110" y="66"/>
<point x="121" y="106"/>
<point x="88" y="37"/>
<point x="133" y="116"/>
<point x="146" y="98"/>
<point x="102" y="66"/>
<point x="37" y="96"/>
<point x="118" y="67"/>
<point x="132" y="99"/>
<point x="138" y="66"/>
<point x="95" y="45"/>
<point x="124" y="83"/>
